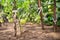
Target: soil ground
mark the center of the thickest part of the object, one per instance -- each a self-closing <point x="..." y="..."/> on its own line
<point x="30" y="32"/>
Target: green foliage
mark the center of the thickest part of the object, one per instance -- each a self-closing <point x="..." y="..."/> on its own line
<point x="58" y="23"/>
<point x="28" y="10"/>
<point x="48" y="20"/>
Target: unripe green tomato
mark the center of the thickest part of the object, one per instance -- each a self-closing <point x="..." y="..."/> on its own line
<point x="49" y="6"/>
<point x="50" y="10"/>
<point x="10" y="20"/>
<point x="1" y="20"/>
<point x="22" y="21"/>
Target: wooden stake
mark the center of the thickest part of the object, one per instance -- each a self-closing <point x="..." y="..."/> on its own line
<point x="15" y="29"/>
<point x="0" y="24"/>
<point x="40" y="11"/>
<point x="14" y="16"/>
<point x="55" y="20"/>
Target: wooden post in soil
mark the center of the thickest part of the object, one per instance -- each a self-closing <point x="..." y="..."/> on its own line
<point x="0" y="14"/>
<point x="40" y="11"/>
<point x="15" y="21"/>
<point x="55" y="19"/>
<point x="14" y="16"/>
<point x="0" y="23"/>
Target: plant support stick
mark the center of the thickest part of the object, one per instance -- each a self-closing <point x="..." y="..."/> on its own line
<point x="55" y="20"/>
<point x="40" y="11"/>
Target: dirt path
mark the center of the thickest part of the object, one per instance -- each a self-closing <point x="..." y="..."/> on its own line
<point x="32" y="32"/>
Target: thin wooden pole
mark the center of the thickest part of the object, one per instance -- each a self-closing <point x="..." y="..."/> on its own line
<point x="0" y="24"/>
<point x="40" y="11"/>
<point x="15" y="8"/>
<point x="14" y="17"/>
<point x="55" y="20"/>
